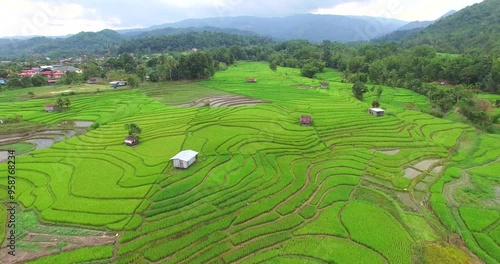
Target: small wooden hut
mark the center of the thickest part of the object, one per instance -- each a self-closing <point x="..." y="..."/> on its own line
<point x="306" y="120"/>
<point x="131" y="141"/>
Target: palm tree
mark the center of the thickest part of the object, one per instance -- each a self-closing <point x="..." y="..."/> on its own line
<point x="60" y="102"/>
<point x="67" y="103"/>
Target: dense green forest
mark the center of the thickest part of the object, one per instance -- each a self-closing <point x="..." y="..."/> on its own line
<point x="186" y="41"/>
<point x="99" y="44"/>
<point x="472" y="30"/>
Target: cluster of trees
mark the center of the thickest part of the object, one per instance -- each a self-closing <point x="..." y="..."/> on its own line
<point x="63" y="103"/>
<point x="24" y="82"/>
<point x="174" y="66"/>
<point x="390" y="64"/>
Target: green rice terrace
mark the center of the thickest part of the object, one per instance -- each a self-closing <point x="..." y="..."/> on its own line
<point x="405" y="187"/>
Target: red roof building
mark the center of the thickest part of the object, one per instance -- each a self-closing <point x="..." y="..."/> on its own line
<point x="49" y="107"/>
<point x="57" y="75"/>
<point x="28" y="73"/>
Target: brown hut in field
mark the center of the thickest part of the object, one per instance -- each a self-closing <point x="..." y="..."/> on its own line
<point x="306" y="120"/>
<point x="324" y="85"/>
<point x="131" y="141"/>
<point x="251" y="80"/>
<point x="49" y="108"/>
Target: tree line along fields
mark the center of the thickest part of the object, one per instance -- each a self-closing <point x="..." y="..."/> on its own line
<point x="264" y="188"/>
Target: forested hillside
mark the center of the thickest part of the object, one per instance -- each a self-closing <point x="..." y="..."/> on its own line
<point x="472" y="30"/>
<point x="169" y="31"/>
<point x="99" y="43"/>
<point x="314" y="28"/>
<point x="186" y="41"/>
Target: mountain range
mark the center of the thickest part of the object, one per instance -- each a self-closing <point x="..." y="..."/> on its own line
<point x="314" y="28"/>
<point x="474" y="28"/>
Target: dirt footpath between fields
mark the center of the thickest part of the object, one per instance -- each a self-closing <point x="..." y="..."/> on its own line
<point x="49" y="244"/>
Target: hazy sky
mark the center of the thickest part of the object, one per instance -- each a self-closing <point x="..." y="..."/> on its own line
<point x="61" y="17"/>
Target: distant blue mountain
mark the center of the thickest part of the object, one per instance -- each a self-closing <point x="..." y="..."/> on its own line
<point x="311" y="27"/>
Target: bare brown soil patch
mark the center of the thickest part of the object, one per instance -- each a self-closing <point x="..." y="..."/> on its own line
<point x="408" y="201"/>
<point x="411" y="173"/>
<point x="425" y="165"/>
<point x="391" y="152"/>
<point x="225" y="101"/>
<point x="437" y="170"/>
<point x="303" y="86"/>
<point x="49" y="244"/>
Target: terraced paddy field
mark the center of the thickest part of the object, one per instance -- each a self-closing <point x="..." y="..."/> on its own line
<point x="352" y="188"/>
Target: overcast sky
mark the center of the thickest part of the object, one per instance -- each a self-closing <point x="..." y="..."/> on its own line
<point x="61" y="17"/>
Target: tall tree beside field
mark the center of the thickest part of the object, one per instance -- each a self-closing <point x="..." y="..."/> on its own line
<point x="91" y="70"/>
<point x="273" y="66"/>
<point x="142" y="71"/>
<point x="60" y="103"/>
<point x="133" y="81"/>
<point x="379" y="92"/>
<point x="66" y="102"/>
<point x="133" y="129"/>
<point x="170" y="64"/>
<point x="359" y="89"/>
<point x="71" y="78"/>
<point x="153" y="76"/>
<point x="26" y="82"/>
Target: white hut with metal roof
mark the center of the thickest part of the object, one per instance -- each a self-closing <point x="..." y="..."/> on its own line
<point x="376" y="111"/>
<point x="184" y="159"/>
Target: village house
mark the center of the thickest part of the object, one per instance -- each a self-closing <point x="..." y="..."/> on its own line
<point x="324" y="85"/>
<point x="306" y="120"/>
<point x="131" y="141"/>
<point x="251" y="80"/>
<point x="49" y="107"/>
<point x="376" y="111"/>
<point x="29" y="72"/>
<point x="184" y="159"/>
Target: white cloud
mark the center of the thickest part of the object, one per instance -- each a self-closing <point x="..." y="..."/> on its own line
<point x="50" y="18"/>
